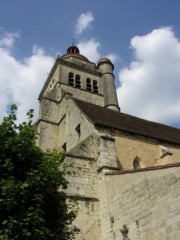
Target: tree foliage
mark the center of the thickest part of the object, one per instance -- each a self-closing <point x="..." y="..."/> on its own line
<point x="32" y="206"/>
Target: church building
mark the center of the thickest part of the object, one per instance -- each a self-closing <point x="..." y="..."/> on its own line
<point x="127" y="169"/>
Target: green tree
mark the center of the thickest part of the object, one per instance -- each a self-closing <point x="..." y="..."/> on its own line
<point x="33" y="204"/>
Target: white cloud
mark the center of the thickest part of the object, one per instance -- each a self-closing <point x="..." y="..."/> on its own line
<point x="84" y="22"/>
<point x="112" y="57"/>
<point x="8" y="39"/>
<point x="90" y="49"/>
<point x="150" y="86"/>
<point x="21" y="81"/>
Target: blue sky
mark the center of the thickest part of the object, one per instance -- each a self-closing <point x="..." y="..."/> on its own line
<point x="141" y="37"/>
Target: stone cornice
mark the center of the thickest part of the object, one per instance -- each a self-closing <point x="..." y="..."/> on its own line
<point x="83" y="67"/>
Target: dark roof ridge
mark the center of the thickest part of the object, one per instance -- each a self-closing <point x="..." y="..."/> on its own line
<point x="102" y="116"/>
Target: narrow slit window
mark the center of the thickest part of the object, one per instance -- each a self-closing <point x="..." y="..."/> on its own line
<point x="71" y="79"/>
<point x="78" y="129"/>
<point x="78" y="81"/>
<point x="88" y="85"/>
<point x="64" y="147"/>
<point x="95" y="86"/>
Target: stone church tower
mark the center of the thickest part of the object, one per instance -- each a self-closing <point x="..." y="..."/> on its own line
<point x="128" y="169"/>
<point x="74" y="71"/>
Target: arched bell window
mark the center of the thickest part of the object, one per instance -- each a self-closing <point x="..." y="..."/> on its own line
<point x="95" y="86"/>
<point x="71" y="79"/>
<point x="88" y="85"/>
<point x="78" y="81"/>
<point x="136" y="164"/>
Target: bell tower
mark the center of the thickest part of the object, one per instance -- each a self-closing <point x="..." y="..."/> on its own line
<point x="73" y="73"/>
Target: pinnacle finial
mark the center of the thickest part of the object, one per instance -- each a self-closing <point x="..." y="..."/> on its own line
<point x="73" y="41"/>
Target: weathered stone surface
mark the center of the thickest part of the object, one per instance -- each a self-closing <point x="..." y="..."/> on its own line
<point x="146" y="201"/>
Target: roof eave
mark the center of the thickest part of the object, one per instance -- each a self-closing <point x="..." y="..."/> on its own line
<point x="136" y="132"/>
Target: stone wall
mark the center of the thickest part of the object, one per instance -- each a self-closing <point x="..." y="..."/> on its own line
<point x="87" y="147"/>
<point x="49" y="111"/>
<point x="107" y="154"/>
<point x="68" y="128"/>
<point x="64" y="73"/>
<point x="147" y="202"/>
<point x="47" y="135"/>
<point x="82" y="184"/>
<point x="84" y="95"/>
<point x="51" y="81"/>
<point x="148" y="150"/>
<point x="83" y="180"/>
<point x="58" y="124"/>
